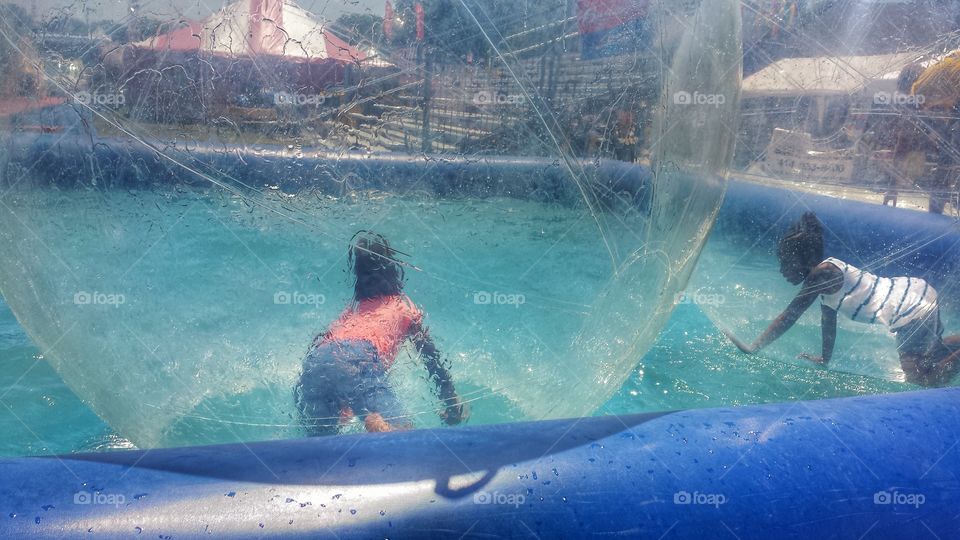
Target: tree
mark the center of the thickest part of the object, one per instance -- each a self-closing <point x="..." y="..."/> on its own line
<point x="146" y="27"/>
<point x="360" y="28"/>
<point x="17" y="63"/>
<point x="456" y="29"/>
<point x="17" y="15"/>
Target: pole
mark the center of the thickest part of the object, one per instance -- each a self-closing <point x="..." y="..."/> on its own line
<point x="426" y="145"/>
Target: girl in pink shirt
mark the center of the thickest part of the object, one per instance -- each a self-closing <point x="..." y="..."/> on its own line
<point x="345" y="371"/>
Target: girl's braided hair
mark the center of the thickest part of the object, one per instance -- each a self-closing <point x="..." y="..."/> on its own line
<point x="803" y="241"/>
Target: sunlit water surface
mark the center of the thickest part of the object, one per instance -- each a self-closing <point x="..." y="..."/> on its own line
<point x="692" y="365"/>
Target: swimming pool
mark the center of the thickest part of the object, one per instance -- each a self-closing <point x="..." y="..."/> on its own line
<point x="662" y="472"/>
<point x="178" y="191"/>
<point x="735" y="283"/>
<point x="690" y="366"/>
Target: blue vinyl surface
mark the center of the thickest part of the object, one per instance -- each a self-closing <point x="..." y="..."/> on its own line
<point x="874" y="466"/>
<point x="884" y="466"/>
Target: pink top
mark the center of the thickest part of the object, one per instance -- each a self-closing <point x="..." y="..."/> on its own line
<point x="384" y="321"/>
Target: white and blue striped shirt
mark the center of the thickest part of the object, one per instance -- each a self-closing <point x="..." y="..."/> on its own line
<point x="867" y="298"/>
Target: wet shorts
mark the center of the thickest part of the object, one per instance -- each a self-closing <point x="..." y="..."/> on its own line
<point x="340" y="374"/>
<point x="922" y="338"/>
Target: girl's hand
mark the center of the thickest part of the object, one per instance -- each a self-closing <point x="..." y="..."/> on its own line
<point x="812" y="358"/>
<point x="736" y="341"/>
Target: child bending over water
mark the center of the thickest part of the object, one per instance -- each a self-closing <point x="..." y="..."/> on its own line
<point x="908" y="306"/>
<point x="345" y="371"/>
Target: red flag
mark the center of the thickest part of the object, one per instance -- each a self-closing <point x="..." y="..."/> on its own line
<point x="418" y="8"/>
<point x="388" y="20"/>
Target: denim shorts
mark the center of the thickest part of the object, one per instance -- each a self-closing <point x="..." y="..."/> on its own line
<point x="922" y="338"/>
<point x="340" y="374"/>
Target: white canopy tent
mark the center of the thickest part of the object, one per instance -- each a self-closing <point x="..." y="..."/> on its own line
<point x="828" y="76"/>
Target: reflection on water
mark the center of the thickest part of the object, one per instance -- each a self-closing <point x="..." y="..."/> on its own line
<point x="691" y="365"/>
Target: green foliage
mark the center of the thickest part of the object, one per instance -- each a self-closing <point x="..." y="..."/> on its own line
<point x="361" y="28"/>
<point x="16" y="15"/>
<point x="138" y="29"/>
<point x="457" y="28"/>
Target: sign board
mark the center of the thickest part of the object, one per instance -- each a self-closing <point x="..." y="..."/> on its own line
<point x="792" y="155"/>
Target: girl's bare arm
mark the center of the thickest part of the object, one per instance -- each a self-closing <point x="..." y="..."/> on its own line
<point x="824" y="279"/>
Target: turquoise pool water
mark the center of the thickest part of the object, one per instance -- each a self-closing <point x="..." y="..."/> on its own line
<point x="691" y="365"/>
<point x="38" y="413"/>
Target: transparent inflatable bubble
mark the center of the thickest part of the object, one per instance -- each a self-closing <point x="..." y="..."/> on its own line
<point x="849" y="114"/>
<point x="181" y="187"/>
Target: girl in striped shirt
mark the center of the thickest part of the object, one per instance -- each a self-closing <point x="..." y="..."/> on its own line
<point x="907" y="306"/>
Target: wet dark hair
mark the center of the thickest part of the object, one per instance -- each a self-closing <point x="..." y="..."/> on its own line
<point x="803" y="242"/>
<point x="375" y="267"/>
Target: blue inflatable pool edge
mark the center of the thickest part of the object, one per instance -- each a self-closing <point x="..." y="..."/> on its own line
<point x="862" y="467"/>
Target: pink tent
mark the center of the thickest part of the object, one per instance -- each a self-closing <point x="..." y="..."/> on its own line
<point x="256" y="28"/>
<point x="237" y="57"/>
